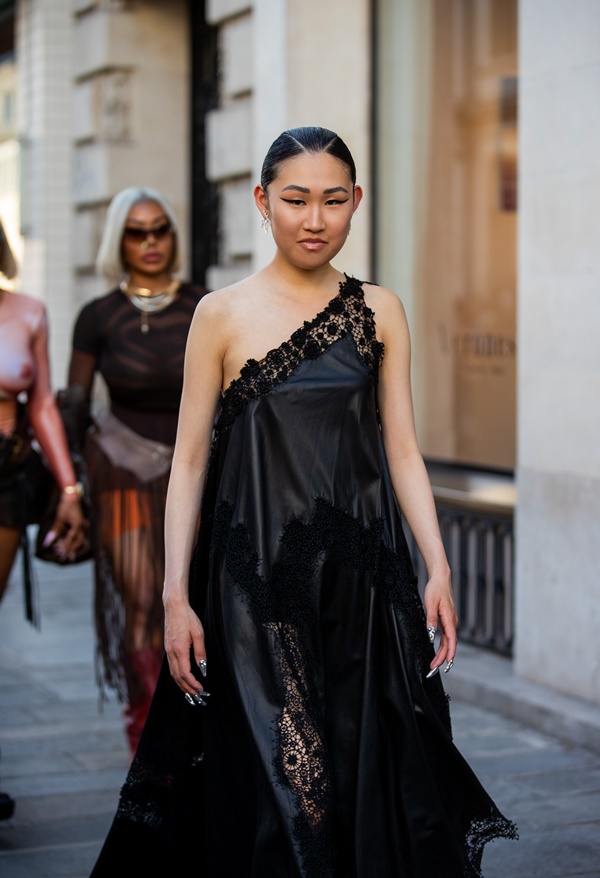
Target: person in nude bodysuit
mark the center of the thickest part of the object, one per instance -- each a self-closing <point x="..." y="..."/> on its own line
<point x="24" y="368"/>
<point x="24" y="372"/>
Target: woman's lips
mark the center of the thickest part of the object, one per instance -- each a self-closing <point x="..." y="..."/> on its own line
<point x="312" y="244"/>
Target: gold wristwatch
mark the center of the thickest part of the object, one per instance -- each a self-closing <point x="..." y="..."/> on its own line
<point x="75" y="490"/>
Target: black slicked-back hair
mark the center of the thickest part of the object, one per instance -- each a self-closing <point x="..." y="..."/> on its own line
<point x="295" y="141"/>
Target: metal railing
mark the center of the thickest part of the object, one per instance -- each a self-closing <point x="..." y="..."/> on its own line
<point x="476" y="514"/>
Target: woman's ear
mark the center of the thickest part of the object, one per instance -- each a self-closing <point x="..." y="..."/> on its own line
<point x="261" y="200"/>
<point x="357" y="196"/>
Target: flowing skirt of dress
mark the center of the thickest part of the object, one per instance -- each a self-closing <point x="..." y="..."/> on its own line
<point x="324" y="751"/>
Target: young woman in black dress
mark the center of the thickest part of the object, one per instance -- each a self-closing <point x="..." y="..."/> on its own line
<point x="300" y="726"/>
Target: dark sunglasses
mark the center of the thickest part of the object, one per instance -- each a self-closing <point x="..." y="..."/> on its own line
<point x="138" y="235"/>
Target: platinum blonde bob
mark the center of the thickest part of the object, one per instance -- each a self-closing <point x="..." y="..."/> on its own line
<point x="110" y="253"/>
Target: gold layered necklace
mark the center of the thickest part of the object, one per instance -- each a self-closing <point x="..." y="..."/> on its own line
<point x="148" y="302"/>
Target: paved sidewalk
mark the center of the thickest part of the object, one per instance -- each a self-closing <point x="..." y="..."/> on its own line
<point x="64" y="761"/>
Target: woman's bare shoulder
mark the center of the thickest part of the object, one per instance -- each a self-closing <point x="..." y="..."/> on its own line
<point x="384" y="302"/>
<point x="21" y="306"/>
<point x="24" y="303"/>
<point x="228" y="301"/>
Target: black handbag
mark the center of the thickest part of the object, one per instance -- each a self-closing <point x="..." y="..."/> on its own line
<point x="73" y="408"/>
<point x="25" y="480"/>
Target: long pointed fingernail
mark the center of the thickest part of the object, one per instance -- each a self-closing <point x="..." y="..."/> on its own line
<point x="431" y="633"/>
<point x="448" y="666"/>
<point x="190" y="700"/>
<point x="432" y="673"/>
<point x="202" y="666"/>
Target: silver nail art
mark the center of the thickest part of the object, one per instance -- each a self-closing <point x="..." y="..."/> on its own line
<point x="432" y="673"/>
<point x="202" y="666"/>
<point x="190" y="699"/>
<point x="449" y="666"/>
<point x="431" y="633"/>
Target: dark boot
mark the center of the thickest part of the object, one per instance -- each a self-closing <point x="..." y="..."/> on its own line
<point x="143" y="666"/>
<point x="7" y="806"/>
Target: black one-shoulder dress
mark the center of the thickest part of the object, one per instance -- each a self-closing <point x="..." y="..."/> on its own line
<point x="324" y="751"/>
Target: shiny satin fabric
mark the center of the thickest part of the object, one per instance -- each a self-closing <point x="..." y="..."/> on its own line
<point x="324" y="751"/>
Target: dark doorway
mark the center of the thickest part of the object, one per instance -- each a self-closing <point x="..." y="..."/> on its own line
<point x="205" y="97"/>
<point x="7" y="28"/>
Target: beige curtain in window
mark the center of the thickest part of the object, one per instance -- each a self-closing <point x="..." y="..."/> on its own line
<point x="447" y="131"/>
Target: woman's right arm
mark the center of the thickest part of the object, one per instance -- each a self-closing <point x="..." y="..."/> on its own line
<point x="85" y="349"/>
<point x="82" y="369"/>
<point x="200" y="398"/>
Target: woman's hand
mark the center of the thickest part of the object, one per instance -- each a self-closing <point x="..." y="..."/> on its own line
<point x="184" y="638"/>
<point x="69" y="531"/>
<point x="439" y="605"/>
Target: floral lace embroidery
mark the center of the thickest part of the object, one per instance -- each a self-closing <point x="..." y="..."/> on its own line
<point x="300" y="754"/>
<point x="346" y="313"/>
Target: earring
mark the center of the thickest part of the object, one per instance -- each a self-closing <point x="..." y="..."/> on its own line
<point x="265" y="223"/>
<point x="349" y="229"/>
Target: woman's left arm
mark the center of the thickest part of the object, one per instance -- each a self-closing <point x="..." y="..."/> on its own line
<point x="409" y="475"/>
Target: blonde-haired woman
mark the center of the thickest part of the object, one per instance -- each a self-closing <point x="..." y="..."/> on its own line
<point x="134" y="336"/>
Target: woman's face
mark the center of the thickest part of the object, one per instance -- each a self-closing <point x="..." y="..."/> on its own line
<point x="148" y="240"/>
<point x="310" y="204"/>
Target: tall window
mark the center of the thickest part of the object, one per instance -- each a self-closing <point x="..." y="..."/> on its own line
<point x="446" y="214"/>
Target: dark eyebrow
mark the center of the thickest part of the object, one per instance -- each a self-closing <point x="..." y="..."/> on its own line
<point x="307" y="191"/>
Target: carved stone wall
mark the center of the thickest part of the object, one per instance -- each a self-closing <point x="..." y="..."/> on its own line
<point x="279" y="71"/>
<point x="131" y="120"/>
<point x="104" y="103"/>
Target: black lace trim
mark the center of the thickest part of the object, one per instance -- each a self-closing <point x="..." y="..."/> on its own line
<point x="284" y="604"/>
<point x="286" y="596"/>
<point x="145" y="795"/>
<point x="345" y="313"/>
<point x="480" y="833"/>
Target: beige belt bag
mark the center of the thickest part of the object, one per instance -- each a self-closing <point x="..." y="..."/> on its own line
<point x="146" y="459"/>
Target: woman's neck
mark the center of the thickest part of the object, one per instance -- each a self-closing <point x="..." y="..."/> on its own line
<point x="154" y="283"/>
<point x="303" y="283"/>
